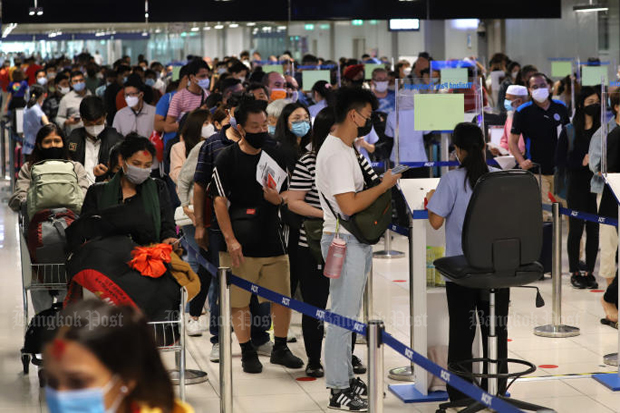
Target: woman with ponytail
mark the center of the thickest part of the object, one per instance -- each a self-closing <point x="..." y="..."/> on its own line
<point x="449" y="203"/>
<point x="323" y="95"/>
<point x="34" y="117"/>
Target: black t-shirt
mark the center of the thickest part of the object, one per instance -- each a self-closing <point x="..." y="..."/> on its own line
<point x="540" y="129"/>
<point x="255" y="221"/>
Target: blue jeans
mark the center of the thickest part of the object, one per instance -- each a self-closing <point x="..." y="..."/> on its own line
<point x="261" y="313"/>
<point x="346" y="295"/>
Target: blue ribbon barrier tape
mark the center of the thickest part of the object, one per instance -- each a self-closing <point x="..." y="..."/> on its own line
<point x="399" y="230"/>
<point x="583" y="215"/>
<point x="414" y="165"/>
<point x="350" y="324"/>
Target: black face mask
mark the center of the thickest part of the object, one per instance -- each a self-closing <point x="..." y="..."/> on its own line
<point x="364" y="130"/>
<point x="52" y="153"/>
<point x="358" y="82"/>
<point x="256" y="140"/>
<point x="592" y="110"/>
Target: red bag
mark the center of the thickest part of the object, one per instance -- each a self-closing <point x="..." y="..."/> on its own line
<point x="156" y="139"/>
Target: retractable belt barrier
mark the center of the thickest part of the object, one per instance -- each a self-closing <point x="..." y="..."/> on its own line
<point x="583" y="215"/>
<point x="414" y="165"/>
<point x="458" y="383"/>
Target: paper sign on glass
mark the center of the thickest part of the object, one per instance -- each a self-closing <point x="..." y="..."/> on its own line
<point x="561" y="69"/>
<point x="369" y="67"/>
<point x="591" y="75"/>
<point x="269" y="173"/>
<point x="440" y="112"/>
<point x="310" y="77"/>
<point x="458" y="75"/>
<point x="273" y="68"/>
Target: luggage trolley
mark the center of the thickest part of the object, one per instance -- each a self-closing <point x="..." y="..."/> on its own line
<point x="36" y="277"/>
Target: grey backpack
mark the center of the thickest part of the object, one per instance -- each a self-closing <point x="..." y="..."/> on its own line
<point x="54" y="184"/>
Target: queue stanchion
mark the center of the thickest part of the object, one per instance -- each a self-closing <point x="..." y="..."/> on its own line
<point x="181" y="360"/>
<point x="556" y="329"/>
<point x="226" y="391"/>
<point x="3" y="149"/>
<point x="374" y="336"/>
<point x="368" y="297"/>
<point x="12" y="170"/>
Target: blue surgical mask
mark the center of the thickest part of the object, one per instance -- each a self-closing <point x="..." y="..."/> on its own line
<point x="150" y="82"/>
<point x="82" y="401"/>
<point x="301" y="128"/>
<point x="78" y="87"/>
<point x="508" y="105"/>
<point x="204" y="83"/>
<point x="271" y="129"/>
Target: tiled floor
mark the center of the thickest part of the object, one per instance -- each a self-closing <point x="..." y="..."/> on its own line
<point x="276" y="389"/>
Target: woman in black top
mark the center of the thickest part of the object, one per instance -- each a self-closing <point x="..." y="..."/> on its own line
<point x="145" y="202"/>
<point x="572" y="155"/>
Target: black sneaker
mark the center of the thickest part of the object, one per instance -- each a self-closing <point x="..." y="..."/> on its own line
<point x="358" y="367"/>
<point x="578" y="281"/>
<point x="250" y="362"/>
<point x="359" y="387"/>
<point x="286" y="358"/>
<point x="347" y="400"/>
<point x="591" y="281"/>
<point x="314" y="370"/>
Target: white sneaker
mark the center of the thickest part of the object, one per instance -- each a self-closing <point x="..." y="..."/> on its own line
<point x="265" y="349"/>
<point x="193" y="328"/>
<point x="215" y="353"/>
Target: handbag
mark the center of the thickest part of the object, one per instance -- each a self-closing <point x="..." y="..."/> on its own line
<point x="314" y="233"/>
<point x="369" y="225"/>
<point x="246" y="225"/>
<point x="180" y="218"/>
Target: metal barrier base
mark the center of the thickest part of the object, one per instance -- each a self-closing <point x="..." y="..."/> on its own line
<point x="609" y="380"/>
<point x="402" y="374"/>
<point x="191" y="376"/>
<point x="611" y="359"/>
<point x="407" y="393"/>
<point x="559" y="331"/>
<point x="388" y="254"/>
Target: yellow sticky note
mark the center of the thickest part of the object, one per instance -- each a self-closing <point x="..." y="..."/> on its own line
<point x="438" y="112"/>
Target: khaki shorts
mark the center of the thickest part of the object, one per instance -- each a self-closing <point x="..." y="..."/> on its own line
<point x="272" y="273"/>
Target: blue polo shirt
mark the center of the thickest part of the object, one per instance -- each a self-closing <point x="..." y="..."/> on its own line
<point x="162" y="109"/>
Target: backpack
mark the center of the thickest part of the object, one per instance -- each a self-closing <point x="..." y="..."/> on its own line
<point x="46" y="235"/>
<point x="42" y="329"/>
<point x="54" y="184"/>
<point x="560" y="177"/>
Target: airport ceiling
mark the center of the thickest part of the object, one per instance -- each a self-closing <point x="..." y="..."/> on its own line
<point x="127" y="11"/>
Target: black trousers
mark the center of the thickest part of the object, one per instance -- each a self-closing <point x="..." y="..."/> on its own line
<point x="611" y="294"/>
<point x="314" y="287"/>
<point x="463" y="305"/>
<point x="197" y="304"/>
<point x="579" y="198"/>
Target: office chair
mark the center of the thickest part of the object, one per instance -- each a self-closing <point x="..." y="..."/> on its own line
<point x="501" y="239"/>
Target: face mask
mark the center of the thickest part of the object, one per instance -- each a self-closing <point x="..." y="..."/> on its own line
<point x="94" y="130"/>
<point x="407" y="71"/>
<point x="381" y="86"/>
<point x="456" y="154"/>
<point x="136" y="175"/>
<point x="204" y="83"/>
<point x="51" y="75"/>
<point x="277" y="94"/>
<point x="301" y="128"/>
<point x="256" y="140"/>
<point x="242" y="79"/>
<point x="221" y="70"/>
<point x="540" y="95"/>
<point x="592" y="110"/>
<point x="233" y="122"/>
<point x="364" y="130"/>
<point x="271" y="129"/>
<point x="79" y="86"/>
<point x="358" y="82"/>
<point x="64" y="90"/>
<point x="508" y="105"/>
<point x="150" y="82"/>
<point x="132" y="101"/>
<point x="514" y="75"/>
<point x="207" y="131"/>
<point x="84" y="401"/>
<point x="42" y="81"/>
<point x="52" y="153"/>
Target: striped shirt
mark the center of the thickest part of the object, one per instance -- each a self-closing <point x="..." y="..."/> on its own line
<point x="304" y="180"/>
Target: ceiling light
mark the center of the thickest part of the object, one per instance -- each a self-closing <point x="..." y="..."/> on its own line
<point x="158" y="30"/>
<point x="251" y="24"/>
<point x="590" y="7"/>
<point x="233" y="25"/>
<point x="281" y="27"/>
<point x="206" y="28"/>
<point x="195" y="29"/>
<point x="219" y="26"/>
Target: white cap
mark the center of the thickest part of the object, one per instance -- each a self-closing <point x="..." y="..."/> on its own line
<point x="516" y="90"/>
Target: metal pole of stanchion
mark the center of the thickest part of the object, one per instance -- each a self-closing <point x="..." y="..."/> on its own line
<point x="375" y="366"/>
<point x="3" y="149"/>
<point x="226" y="391"/>
<point x="11" y="161"/>
<point x="368" y="308"/>
<point x="556" y="329"/>
<point x="182" y="361"/>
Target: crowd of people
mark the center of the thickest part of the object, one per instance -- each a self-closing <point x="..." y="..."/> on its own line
<point x="242" y="162"/>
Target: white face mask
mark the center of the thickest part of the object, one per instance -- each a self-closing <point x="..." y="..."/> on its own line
<point x="64" y="90"/>
<point x="94" y="130"/>
<point x="540" y="95"/>
<point x="207" y="131"/>
<point x="407" y="71"/>
<point x="132" y="101"/>
<point x="381" y="86"/>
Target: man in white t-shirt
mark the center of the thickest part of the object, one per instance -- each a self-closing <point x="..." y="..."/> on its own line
<point x="340" y="182"/>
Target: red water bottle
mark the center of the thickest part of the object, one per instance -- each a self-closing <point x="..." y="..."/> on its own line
<point x="335" y="258"/>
